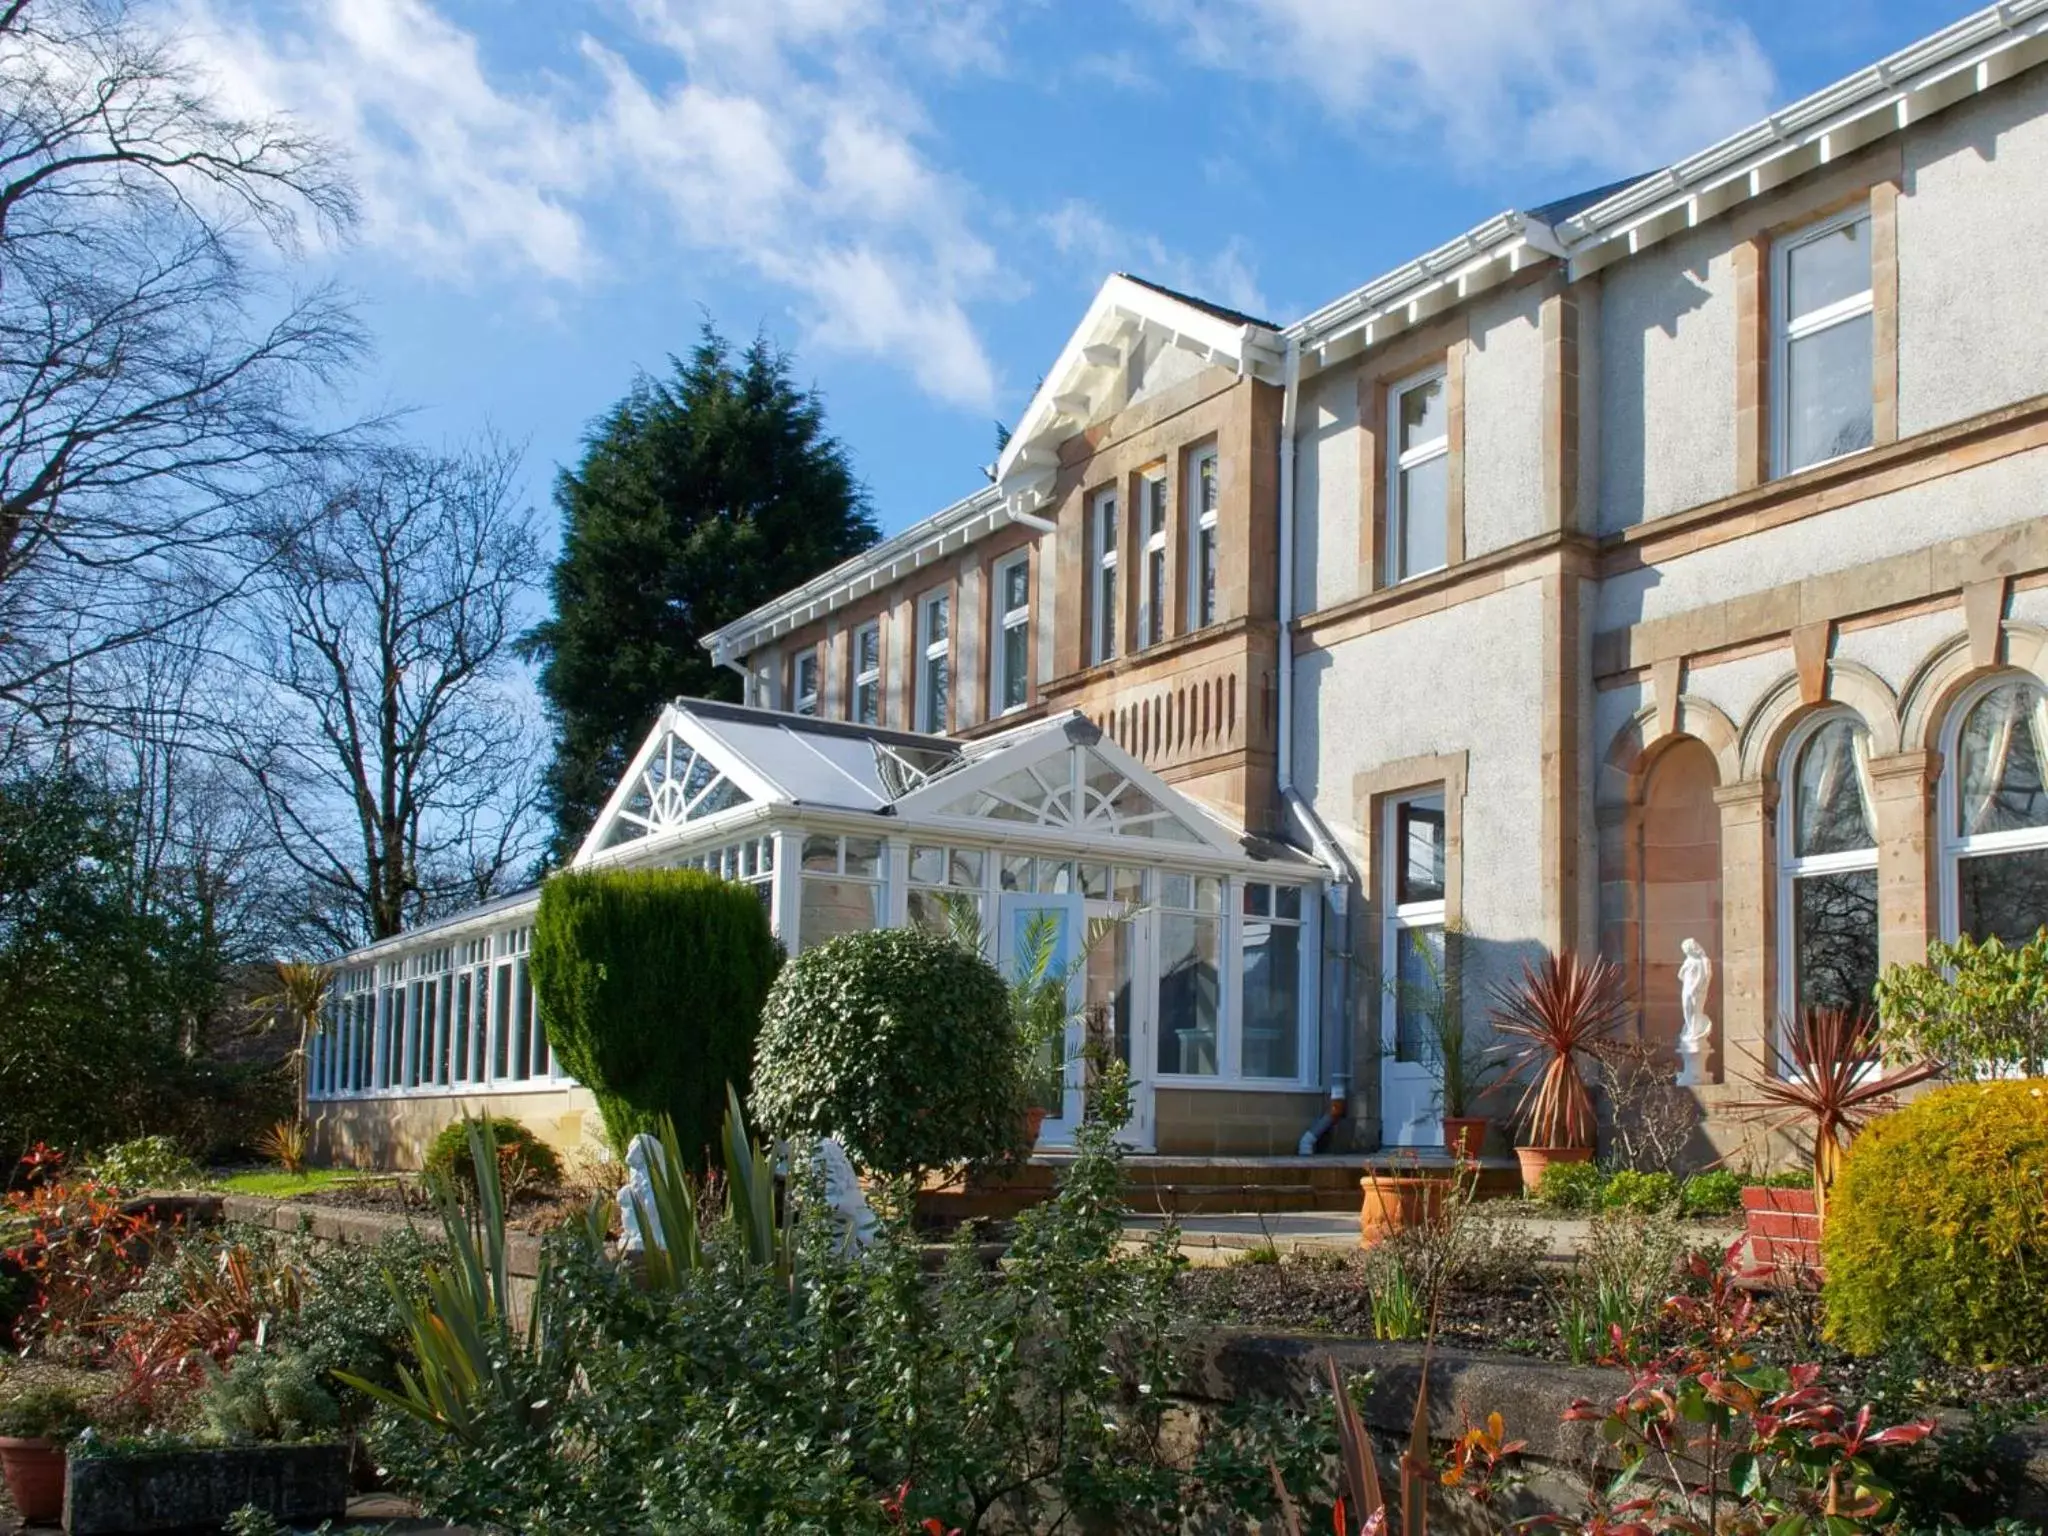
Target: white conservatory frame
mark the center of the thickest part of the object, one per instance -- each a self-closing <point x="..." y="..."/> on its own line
<point x="1053" y="809"/>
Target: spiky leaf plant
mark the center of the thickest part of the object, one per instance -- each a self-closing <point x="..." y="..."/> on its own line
<point x="1551" y="1017"/>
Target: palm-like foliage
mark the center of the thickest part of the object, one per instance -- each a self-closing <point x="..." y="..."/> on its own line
<point x="1552" y="1016"/>
<point x="1832" y="1084"/>
<point x="302" y="987"/>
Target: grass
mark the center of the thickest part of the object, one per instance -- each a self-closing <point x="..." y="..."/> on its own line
<point x="278" y="1184"/>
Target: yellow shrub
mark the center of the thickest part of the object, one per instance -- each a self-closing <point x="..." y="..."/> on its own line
<point x="1937" y="1230"/>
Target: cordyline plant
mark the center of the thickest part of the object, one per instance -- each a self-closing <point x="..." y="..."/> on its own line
<point x="1553" y="1016"/>
<point x="1831" y="1085"/>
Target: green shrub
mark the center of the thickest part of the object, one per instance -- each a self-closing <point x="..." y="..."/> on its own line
<point x="146" y="1163"/>
<point x="524" y="1160"/>
<point x="1717" y="1193"/>
<point x="1978" y="1009"/>
<point x="44" y="1412"/>
<point x="267" y="1396"/>
<point x="1627" y="1189"/>
<point x="1937" y="1230"/>
<point x="899" y="1042"/>
<point x="650" y="985"/>
<point x="1570" y="1187"/>
<point x="1781" y="1178"/>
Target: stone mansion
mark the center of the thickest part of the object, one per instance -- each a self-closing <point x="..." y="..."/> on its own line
<point x="1666" y="562"/>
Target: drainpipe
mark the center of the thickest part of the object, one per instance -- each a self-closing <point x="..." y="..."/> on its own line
<point x="1335" y="991"/>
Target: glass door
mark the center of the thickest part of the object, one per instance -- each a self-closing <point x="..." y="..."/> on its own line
<point x="1045" y="933"/>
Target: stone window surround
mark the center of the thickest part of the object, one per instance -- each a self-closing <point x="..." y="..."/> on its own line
<point x="1446" y="345"/>
<point x="1372" y="791"/>
<point x="1874" y="180"/>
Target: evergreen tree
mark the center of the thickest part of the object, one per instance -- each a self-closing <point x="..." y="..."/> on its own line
<point x="699" y="497"/>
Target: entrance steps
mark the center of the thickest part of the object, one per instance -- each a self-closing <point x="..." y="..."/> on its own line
<point x="1174" y="1184"/>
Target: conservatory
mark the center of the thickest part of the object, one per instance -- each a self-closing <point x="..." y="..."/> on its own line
<point x="1193" y="948"/>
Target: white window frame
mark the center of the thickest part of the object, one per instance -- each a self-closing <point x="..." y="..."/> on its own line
<point x="802" y="700"/>
<point x="1954" y="845"/>
<point x="1402" y="917"/>
<point x="1792" y="869"/>
<point x="1004" y="621"/>
<point x="1307" y="1004"/>
<point x="1400" y="461"/>
<point x="1152" y="589"/>
<point x="1787" y="328"/>
<point x="932" y="649"/>
<point x="867" y="681"/>
<point x="1104" y="528"/>
<point x="1204" y="541"/>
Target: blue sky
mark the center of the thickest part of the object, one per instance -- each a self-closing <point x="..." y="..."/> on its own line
<point x="918" y="197"/>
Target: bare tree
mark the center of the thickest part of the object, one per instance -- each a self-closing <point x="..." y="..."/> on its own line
<point x="154" y="384"/>
<point x="397" y="751"/>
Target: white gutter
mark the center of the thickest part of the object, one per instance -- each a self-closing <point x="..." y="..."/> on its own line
<point x="1337" y="1037"/>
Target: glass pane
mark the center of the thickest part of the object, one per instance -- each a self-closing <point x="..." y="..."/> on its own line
<point x="1833" y="814"/>
<point x="867" y="703"/>
<point x="821" y="852"/>
<point x="949" y="914"/>
<point x="1287" y="902"/>
<point x="1208" y="894"/>
<point x="2004" y="895"/>
<point x="1177" y="891"/>
<point x="1425" y="414"/>
<point x="832" y="907"/>
<point x="1419" y="969"/>
<point x="1055" y="876"/>
<point x="1205" y="485"/>
<point x="1016" y="585"/>
<point x="1828" y="393"/>
<point x="867" y="650"/>
<point x="1272" y="999"/>
<point x="1155" y="505"/>
<point x="1188" y="955"/>
<point x="1835" y="939"/>
<point x="1422" y="544"/>
<point x="1155" y="597"/>
<point x="1095" y="881"/>
<point x="1019" y="873"/>
<point x="1258" y="899"/>
<point x="864" y="856"/>
<point x="1105" y="525"/>
<point x="928" y="866"/>
<point x="1828" y="269"/>
<point x="1129" y="885"/>
<point x="936" y="681"/>
<point x="1205" y="576"/>
<point x="1419" y="850"/>
<point x="2004" y="741"/>
<point x="965" y="867"/>
<point x="1106" y="606"/>
<point x="1016" y="665"/>
<point x="936" y="615"/>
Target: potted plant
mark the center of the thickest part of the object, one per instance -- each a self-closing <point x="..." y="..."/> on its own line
<point x="35" y="1423"/>
<point x="1464" y="1069"/>
<point x="1560" y="1008"/>
<point x="1832" y="1084"/>
<point x="1395" y="1202"/>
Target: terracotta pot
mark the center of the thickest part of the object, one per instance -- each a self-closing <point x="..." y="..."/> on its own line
<point x="1034" y="1122"/>
<point x="1536" y="1161"/>
<point x="1464" y="1135"/>
<point x="35" y="1478"/>
<point x="1783" y="1227"/>
<point x="1395" y="1202"/>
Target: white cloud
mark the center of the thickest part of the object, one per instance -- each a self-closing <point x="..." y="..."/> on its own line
<point x="1608" y="85"/>
<point x="1082" y="232"/>
<point x="771" y="135"/>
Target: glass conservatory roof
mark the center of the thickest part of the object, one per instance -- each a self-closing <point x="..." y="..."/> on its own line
<point x="705" y="759"/>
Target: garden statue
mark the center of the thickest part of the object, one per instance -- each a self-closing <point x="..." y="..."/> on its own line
<point x="636" y="1195"/>
<point x="850" y="1210"/>
<point x="1695" y="975"/>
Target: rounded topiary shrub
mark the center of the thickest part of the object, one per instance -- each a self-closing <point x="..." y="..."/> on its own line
<point x="524" y="1160"/>
<point x="1937" y="1227"/>
<point x="898" y="1042"/>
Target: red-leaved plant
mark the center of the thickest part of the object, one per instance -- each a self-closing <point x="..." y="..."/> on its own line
<point x="1560" y="1008"/>
<point x="1832" y="1084"/>
<point x="1710" y="1441"/>
<point x="79" y="1243"/>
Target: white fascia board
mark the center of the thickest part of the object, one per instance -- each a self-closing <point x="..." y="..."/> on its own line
<point x="1927" y="77"/>
<point x="1094" y="354"/>
<point x="758" y="789"/>
<point x="918" y="545"/>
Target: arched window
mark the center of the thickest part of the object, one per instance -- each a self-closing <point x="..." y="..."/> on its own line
<point x="1995" y="813"/>
<point x="1827" y="868"/>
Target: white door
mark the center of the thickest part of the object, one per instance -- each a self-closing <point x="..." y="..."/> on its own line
<point x="1108" y="978"/>
<point x="1408" y="1090"/>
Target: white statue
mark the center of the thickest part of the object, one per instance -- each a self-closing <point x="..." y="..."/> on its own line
<point x="637" y="1194"/>
<point x="1695" y="976"/>
<point x="851" y="1212"/>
